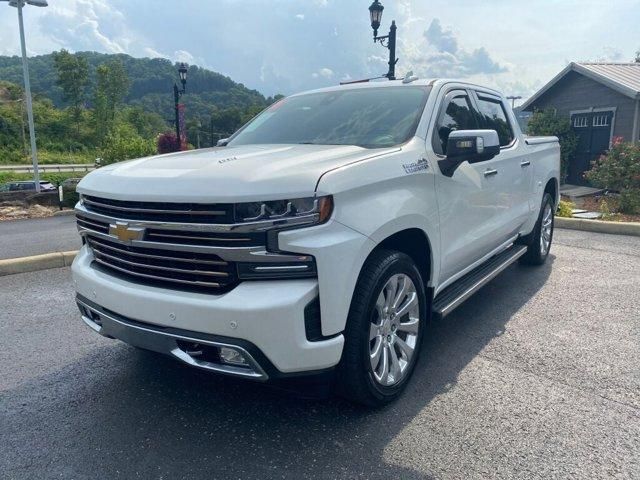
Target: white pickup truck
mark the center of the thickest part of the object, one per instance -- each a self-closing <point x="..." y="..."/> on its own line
<point x="322" y="237"/>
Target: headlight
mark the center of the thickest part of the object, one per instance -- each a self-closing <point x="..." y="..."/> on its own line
<point x="315" y="209"/>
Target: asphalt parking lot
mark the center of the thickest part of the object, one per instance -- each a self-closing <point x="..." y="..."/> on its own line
<point x="537" y="376"/>
<point x="22" y="238"/>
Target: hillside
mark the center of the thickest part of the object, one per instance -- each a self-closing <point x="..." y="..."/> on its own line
<point x="151" y="84"/>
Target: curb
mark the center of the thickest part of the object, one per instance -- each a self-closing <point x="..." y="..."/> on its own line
<point x="34" y="263"/>
<point x="64" y="213"/>
<point x="614" y="228"/>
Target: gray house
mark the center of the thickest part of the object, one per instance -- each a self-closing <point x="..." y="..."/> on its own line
<point x="602" y="100"/>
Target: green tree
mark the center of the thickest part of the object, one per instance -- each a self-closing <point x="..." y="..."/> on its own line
<point x="123" y="143"/>
<point x="112" y="86"/>
<point x="101" y="115"/>
<point x="546" y="122"/>
<point x="73" y="79"/>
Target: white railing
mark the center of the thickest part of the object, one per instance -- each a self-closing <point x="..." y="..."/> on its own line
<point x="76" y="167"/>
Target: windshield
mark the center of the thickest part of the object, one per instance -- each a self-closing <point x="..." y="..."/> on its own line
<point x="367" y="117"/>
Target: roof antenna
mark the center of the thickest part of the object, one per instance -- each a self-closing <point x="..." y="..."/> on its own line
<point x="409" y="77"/>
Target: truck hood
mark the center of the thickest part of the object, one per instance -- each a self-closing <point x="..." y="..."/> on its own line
<point x="229" y="174"/>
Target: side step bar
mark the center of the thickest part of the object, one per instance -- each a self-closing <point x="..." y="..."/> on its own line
<point x="455" y="294"/>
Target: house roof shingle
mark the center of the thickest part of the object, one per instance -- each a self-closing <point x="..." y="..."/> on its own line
<point x="622" y="77"/>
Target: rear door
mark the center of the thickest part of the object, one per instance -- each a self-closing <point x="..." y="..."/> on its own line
<point x="468" y="202"/>
<point x="514" y="176"/>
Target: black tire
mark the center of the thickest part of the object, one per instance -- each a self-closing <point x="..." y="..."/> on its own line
<point x="356" y="379"/>
<point x="536" y="253"/>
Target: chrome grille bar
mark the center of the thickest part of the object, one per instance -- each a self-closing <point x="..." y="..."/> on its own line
<point x="108" y="206"/>
<point x="259" y="226"/>
<point x="196" y="283"/>
<point x="188" y="237"/>
<point x="93" y="241"/>
<point x="98" y="253"/>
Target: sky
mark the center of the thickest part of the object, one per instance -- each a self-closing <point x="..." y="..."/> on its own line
<point x="285" y="46"/>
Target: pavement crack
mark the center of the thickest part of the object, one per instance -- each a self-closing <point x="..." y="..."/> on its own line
<point x="558" y="382"/>
<point x="596" y="249"/>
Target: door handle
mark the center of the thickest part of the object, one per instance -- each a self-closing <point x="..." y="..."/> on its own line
<point x="525" y="163"/>
<point x="490" y="171"/>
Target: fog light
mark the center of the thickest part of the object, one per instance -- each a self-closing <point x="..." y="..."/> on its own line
<point x="232" y="356"/>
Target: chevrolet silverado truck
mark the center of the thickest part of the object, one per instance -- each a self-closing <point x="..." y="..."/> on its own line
<point x="322" y="237"/>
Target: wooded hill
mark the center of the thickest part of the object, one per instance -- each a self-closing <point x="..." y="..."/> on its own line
<point x="151" y="79"/>
<point x="89" y="105"/>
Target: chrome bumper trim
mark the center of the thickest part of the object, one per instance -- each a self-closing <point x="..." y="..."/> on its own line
<point x="167" y="343"/>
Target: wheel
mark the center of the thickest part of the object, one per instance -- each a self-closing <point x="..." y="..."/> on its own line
<point x="384" y="330"/>
<point x="539" y="242"/>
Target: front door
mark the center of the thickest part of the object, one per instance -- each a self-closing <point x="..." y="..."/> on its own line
<point x="593" y="130"/>
<point x="468" y="201"/>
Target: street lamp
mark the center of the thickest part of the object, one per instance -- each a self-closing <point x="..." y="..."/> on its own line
<point x="513" y="100"/>
<point x="177" y="93"/>
<point x="389" y="41"/>
<point x="27" y="85"/>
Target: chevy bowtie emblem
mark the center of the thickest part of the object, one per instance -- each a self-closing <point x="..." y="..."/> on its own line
<point x="123" y="232"/>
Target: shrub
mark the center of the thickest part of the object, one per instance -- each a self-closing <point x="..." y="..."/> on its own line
<point x="124" y="144"/>
<point x="168" y="143"/>
<point x="546" y="122"/>
<point x="619" y="170"/>
<point x="565" y="209"/>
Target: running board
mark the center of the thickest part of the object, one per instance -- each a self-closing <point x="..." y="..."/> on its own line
<point x="453" y="296"/>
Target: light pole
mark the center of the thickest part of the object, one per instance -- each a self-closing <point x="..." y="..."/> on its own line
<point x="177" y="93"/>
<point x="27" y="85"/>
<point x="389" y="41"/>
<point x="513" y="100"/>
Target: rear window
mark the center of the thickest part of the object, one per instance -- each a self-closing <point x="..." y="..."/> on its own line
<point x="494" y="117"/>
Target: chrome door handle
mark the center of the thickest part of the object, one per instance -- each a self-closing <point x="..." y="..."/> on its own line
<point x="525" y="163"/>
<point x="489" y="172"/>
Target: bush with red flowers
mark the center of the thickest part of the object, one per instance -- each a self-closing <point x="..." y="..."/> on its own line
<point x="619" y="170"/>
<point x="168" y="143"/>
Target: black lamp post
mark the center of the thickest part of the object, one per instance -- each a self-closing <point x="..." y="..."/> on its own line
<point x="177" y="93"/>
<point x="389" y="41"/>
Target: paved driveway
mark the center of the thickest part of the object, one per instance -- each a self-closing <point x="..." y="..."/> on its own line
<point x="536" y="376"/>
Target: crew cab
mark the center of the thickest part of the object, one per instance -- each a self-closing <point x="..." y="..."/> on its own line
<point x="322" y="237"/>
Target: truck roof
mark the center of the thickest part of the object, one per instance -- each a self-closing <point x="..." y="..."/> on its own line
<point x="426" y="82"/>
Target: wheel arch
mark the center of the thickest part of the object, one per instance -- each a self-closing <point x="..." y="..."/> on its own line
<point x="552" y="188"/>
<point x="415" y="243"/>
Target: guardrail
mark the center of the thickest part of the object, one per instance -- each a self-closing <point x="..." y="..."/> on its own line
<point x="68" y="167"/>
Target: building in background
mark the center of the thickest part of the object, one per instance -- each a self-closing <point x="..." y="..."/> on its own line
<point x="602" y="100"/>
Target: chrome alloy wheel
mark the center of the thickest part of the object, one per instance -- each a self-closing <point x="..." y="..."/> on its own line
<point x="546" y="230"/>
<point x="394" y="328"/>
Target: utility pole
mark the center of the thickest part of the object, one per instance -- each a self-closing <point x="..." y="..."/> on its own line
<point x="19" y="4"/>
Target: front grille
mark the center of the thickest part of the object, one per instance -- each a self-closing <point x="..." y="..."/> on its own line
<point x="184" y="237"/>
<point x="185" y="270"/>
<point x="221" y="213"/>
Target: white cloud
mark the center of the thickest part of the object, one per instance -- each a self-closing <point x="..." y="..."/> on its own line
<point x="300" y="16"/>
<point x="183" y="56"/>
<point x="439" y="54"/>
<point x="79" y="25"/>
<point x="326" y="73"/>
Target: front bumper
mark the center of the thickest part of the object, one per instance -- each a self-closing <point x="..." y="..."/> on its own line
<point x="267" y="315"/>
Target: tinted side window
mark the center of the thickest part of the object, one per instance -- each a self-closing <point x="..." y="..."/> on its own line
<point x="494" y="117"/>
<point x="458" y="114"/>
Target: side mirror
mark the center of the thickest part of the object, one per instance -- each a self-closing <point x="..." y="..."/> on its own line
<point x="471" y="146"/>
<point x="222" y="142"/>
